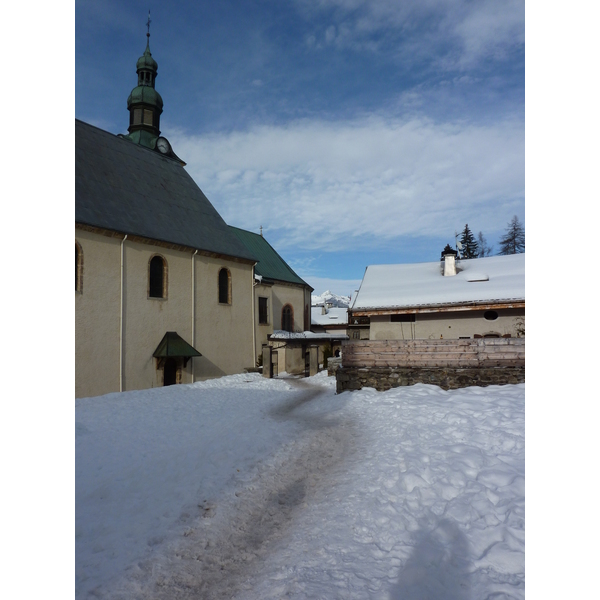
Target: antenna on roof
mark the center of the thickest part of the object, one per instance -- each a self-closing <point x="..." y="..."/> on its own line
<point x="261" y="231"/>
<point x="458" y="245"/>
<point x="459" y="248"/>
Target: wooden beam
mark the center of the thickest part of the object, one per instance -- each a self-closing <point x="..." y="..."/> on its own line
<point x="375" y="312"/>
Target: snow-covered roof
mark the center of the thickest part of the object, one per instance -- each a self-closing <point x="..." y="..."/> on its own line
<point x="334" y="316"/>
<point x="479" y="280"/>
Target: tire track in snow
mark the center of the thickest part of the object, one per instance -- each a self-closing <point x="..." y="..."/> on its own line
<point x="216" y="557"/>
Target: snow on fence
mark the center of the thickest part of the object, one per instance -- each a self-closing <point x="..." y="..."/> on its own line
<point x="468" y="353"/>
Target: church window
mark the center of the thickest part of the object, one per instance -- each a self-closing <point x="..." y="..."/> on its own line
<point x="224" y="286"/>
<point x="157" y="277"/>
<point x="78" y="267"/>
<point x="287" y="318"/>
<point x="137" y="116"/>
<point x="263" y="311"/>
<point x="147" y="117"/>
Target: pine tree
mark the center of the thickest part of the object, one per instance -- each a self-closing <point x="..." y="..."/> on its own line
<point x="448" y="248"/>
<point x="514" y="240"/>
<point x="484" y="249"/>
<point x="469" y="245"/>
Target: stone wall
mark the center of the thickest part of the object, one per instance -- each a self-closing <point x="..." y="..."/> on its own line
<point x="450" y="364"/>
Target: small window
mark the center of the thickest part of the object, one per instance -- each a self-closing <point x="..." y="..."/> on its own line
<point x="356" y="334"/>
<point x="224" y="286"/>
<point x="263" y="311"/>
<point x="157" y="278"/>
<point x="490" y="315"/>
<point x="287" y="318"/>
<point x="403" y="318"/>
<point x="78" y="267"/>
<point x="137" y="116"/>
<point x="147" y="117"/>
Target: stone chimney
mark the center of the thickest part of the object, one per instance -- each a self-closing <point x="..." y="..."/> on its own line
<point x="449" y="257"/>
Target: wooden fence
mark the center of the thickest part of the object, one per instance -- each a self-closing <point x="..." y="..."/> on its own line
<point x="471" y="353"/>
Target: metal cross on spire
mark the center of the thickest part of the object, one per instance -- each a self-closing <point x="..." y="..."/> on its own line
<point x="148" y="24"/>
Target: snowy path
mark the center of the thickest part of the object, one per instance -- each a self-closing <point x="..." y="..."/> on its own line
<point x="217" y="553"/>
<point x="256" y="489"/>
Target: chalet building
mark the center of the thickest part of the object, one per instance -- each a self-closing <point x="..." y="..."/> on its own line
<point x="448" y="323"/>
<point x="165" y="290"/>
<point x="474" y="298"/>
<point x="333" y="321"/>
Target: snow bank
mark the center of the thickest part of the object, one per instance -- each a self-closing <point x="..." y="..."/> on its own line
<point x="245" y="487"/>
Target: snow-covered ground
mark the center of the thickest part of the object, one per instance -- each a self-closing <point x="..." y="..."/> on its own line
<point x="249" y="488"/>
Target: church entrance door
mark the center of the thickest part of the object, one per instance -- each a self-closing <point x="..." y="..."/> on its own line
<point x="170" y="372"/>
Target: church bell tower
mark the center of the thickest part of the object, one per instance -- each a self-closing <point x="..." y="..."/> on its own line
<point x="145" y="107"/>
<point x="144" y="103"/>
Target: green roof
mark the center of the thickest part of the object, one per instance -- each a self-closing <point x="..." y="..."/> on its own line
<point x="146" y="61"/>
<point x="145" y="94"/>
<point x="270" y="264"/>
<point x="174" y="345"/>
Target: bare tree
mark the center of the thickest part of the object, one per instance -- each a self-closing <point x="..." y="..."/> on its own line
<point x="513" y="242"/>
<point x="484" y="249"/>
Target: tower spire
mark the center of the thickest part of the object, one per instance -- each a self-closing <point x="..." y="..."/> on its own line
<point x="144" y="103"/>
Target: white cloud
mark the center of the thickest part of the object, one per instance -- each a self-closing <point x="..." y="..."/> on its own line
<point x="357" y="183"/>
<point x="464" y="32"/>
<point x="490" y="29"/>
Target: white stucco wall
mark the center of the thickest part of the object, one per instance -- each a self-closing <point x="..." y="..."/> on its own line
<point x="262" y="331"/>
<point x="451" y="325"/>
<point x="295" y="296"/>
<point x="97" y="317"/>
<point x="223" y="332"/>
<point x="148" y="319"/>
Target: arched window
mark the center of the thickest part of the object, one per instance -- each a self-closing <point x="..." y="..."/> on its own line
<point x="224" y="286"/>
<point x="287" y="318"/>
<point x="78" y="267"/>
<point x="157" y="277"/>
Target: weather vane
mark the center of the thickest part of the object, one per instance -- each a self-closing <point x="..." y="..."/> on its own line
<point x="148" y="24"/>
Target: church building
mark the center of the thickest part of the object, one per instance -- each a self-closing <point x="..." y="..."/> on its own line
<point x="164" y="288"/>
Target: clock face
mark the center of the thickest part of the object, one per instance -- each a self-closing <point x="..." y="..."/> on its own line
<point x="163" y="145"/>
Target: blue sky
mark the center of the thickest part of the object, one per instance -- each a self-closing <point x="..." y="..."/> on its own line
<point x="355" y="132"/>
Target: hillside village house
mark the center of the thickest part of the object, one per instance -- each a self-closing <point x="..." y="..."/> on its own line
<point x="331" y="320"/>
<point x="479" y="297"/>
<point x="165" y="290"/>
<point x="448" y="324"/>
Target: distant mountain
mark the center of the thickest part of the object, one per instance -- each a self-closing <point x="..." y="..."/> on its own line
<point x="331" y="300"/>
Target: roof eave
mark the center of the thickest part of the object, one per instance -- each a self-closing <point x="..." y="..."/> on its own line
<point x="442" y="307"/>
